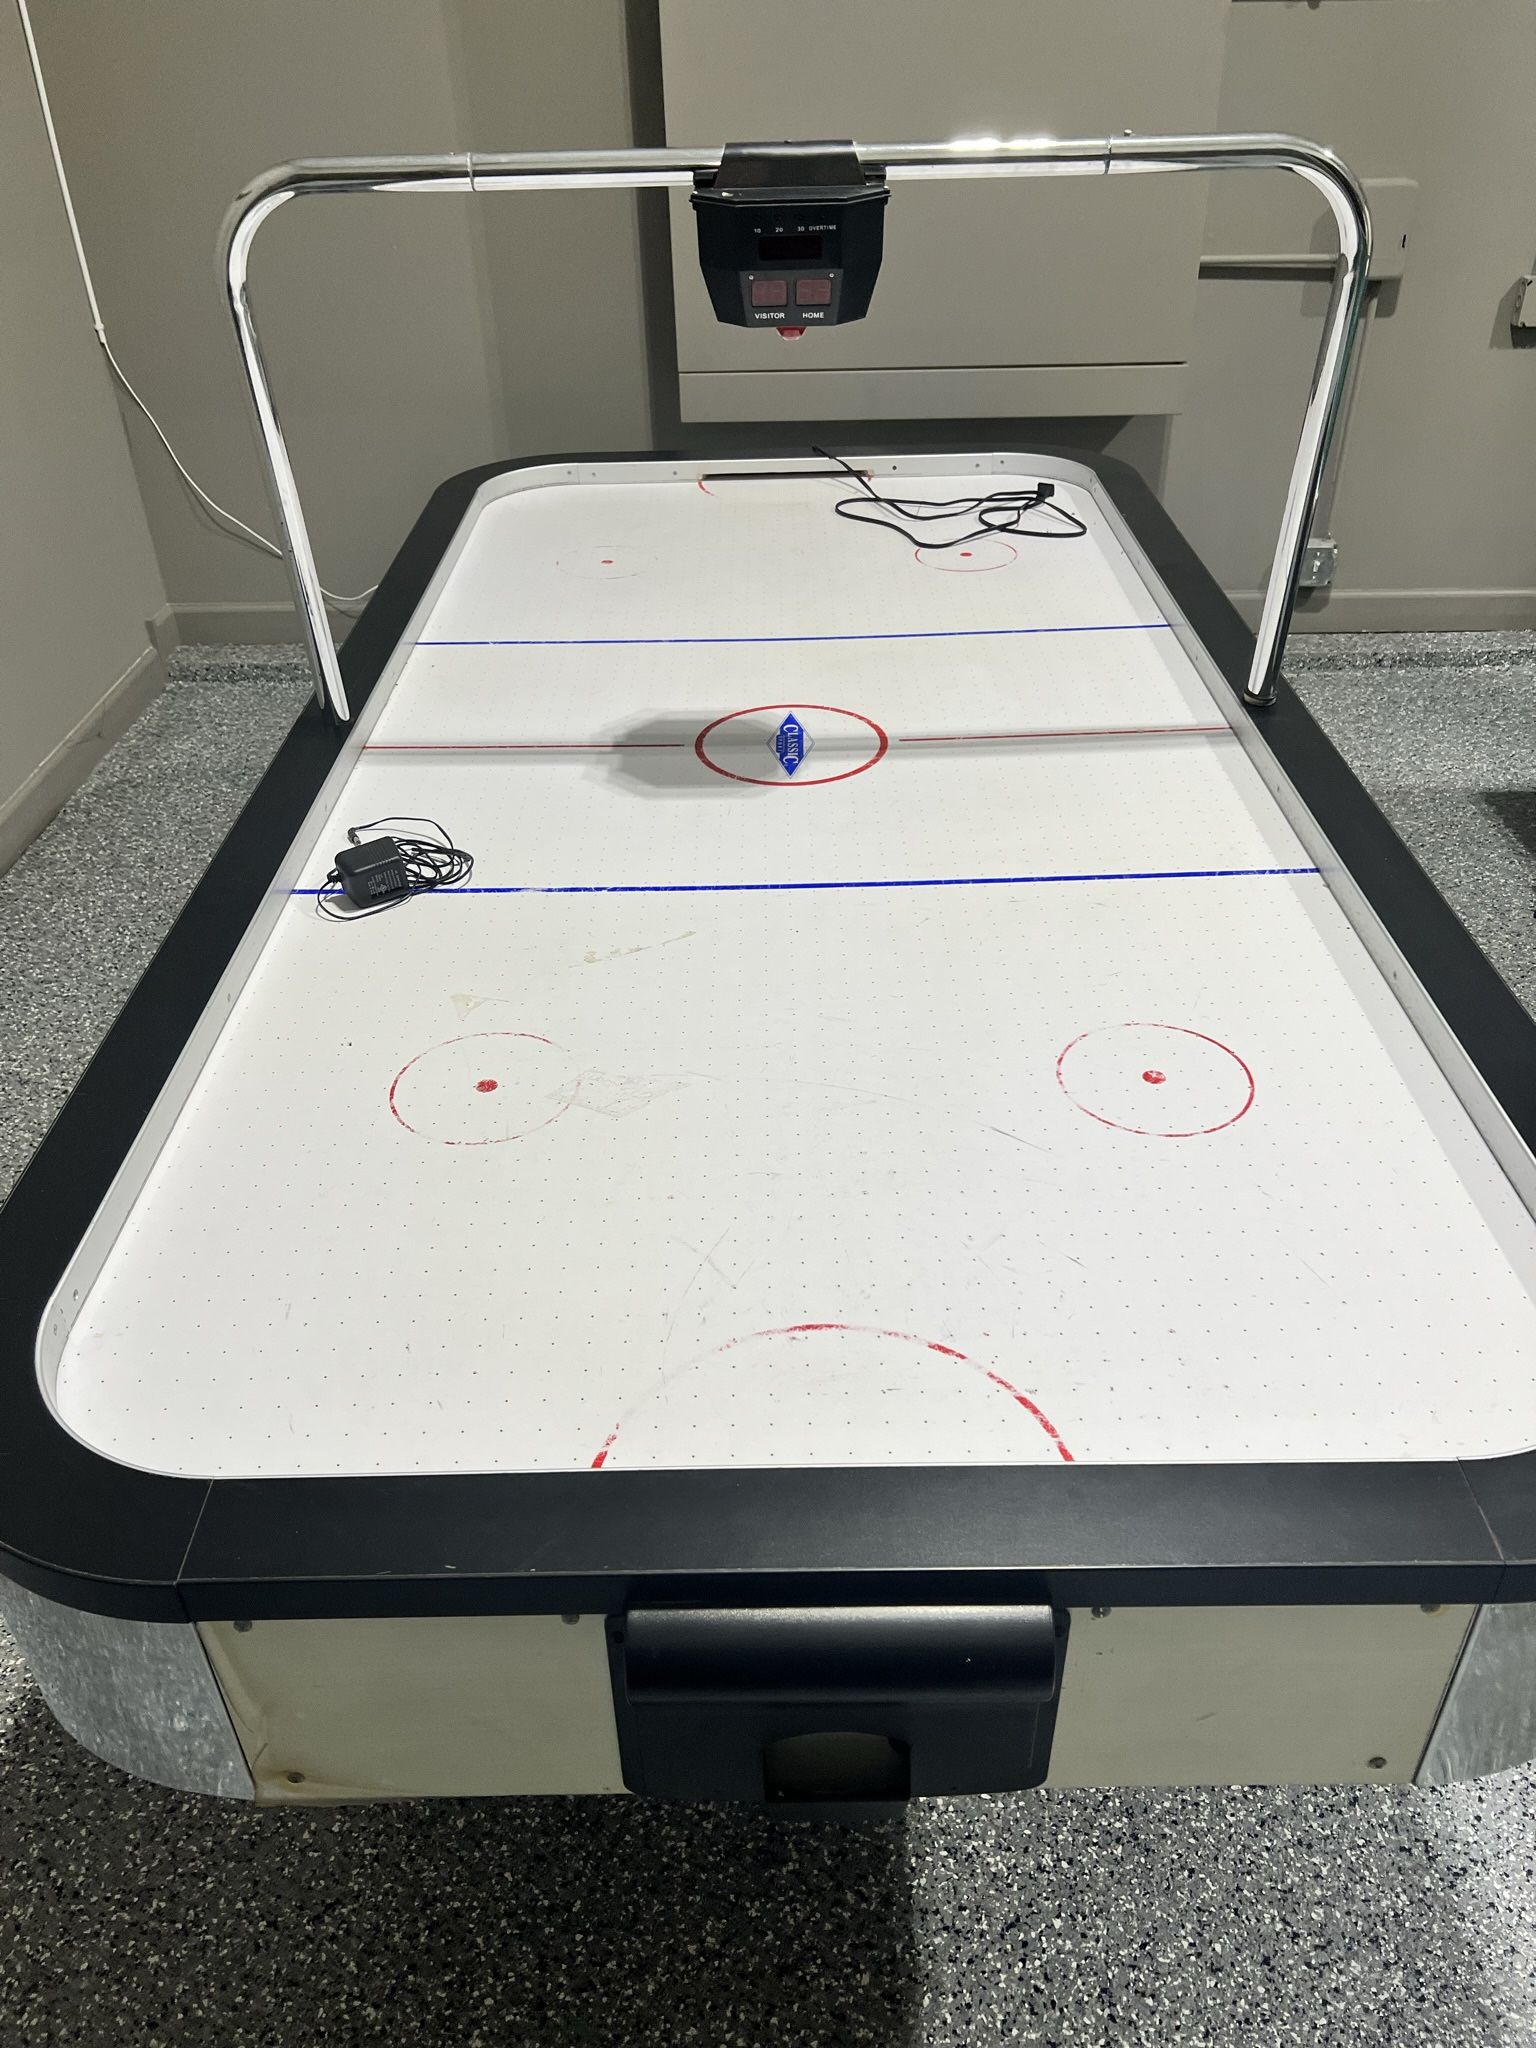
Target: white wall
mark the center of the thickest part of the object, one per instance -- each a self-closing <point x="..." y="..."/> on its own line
<point x="372" y="310"/>
<point x="78" y="576"/>
<point x="563" y="269"/>
<point x="1433" y="515"/>
<point x="411" y="337"/>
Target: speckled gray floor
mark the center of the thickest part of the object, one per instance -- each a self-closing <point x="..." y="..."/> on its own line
<point x="1442" y="729"/>
<point x="133" y="1916"/>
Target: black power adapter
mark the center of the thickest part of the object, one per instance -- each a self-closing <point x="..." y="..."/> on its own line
<point x="371" y="873"/>
<point x="377" y="874"/>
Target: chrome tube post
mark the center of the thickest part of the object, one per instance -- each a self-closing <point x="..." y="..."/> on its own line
<point x="1324" y="171"/>
<point x="966" y="157"/>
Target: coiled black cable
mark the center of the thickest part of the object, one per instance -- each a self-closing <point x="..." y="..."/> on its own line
<point x="997" y="512"/>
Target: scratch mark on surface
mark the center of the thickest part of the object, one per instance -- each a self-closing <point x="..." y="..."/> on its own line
<point x="693" y="1278"/>
<point x="1017" y="1139"/>
<point x="616" y="1095"/>
<point x="870" y="1094"/>
<point x="708" y="1259"/>
<point x="624" y="952"/>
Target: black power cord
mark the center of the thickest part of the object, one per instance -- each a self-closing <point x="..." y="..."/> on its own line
<point x="996" y="512"/>
<point x="377" y="874"/>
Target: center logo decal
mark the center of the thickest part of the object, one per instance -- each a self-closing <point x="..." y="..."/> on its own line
<point x="791" y="743"/>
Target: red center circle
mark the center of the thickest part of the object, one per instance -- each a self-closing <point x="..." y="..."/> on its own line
<point x="882" y="745"/>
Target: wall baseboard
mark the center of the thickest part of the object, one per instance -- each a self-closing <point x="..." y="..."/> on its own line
<point x="1403" y="611"/>
<point x="245" y="625"/>
<point x="164" y="631"/>
<point x="40" y="797"/>
<point x="235" y="625"/>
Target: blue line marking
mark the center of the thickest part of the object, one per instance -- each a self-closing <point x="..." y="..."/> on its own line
<point x="795" y="639"/>
<point x="922" y="882"/>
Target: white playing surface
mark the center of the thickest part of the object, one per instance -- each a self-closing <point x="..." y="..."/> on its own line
<point x="825" y="1068"/>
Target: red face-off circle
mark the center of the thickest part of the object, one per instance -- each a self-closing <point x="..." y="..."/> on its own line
<point x="983" y="553"/>
<point x="485" y="1088"/>
<point x="1156" y="1080"/>
<point x="604" y="563"/>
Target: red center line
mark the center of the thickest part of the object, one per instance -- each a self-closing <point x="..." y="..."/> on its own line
<point x="672" y="746"/>
<point x="1091" y="732"/>
<point x="923" y="739"/>
<point x="518" y="746"/>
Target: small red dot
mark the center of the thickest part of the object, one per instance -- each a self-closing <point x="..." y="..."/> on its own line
<point x="1151" y="1075"/>
<point x="965" y="554"/>
<point x="607" y="561"/>
<point x="485" y="1087"/>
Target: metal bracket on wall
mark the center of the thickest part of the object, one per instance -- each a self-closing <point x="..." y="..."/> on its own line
<point x="1319" y="565"/>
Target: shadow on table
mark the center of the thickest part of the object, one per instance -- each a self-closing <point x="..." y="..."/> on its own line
<point x="141" y="1914"/>
<point x="656" y="757"/>
<point x="660" y="757"/>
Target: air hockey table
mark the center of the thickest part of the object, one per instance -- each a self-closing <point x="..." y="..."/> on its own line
<point x="948" y="1210"/>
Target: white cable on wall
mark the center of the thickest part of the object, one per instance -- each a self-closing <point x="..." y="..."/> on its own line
<point x="233" y="524"/>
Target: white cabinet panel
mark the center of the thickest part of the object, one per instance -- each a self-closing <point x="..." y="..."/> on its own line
<point x="1026" y="279"/>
